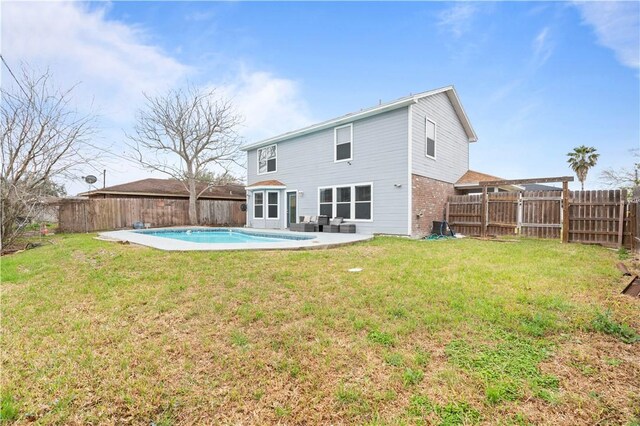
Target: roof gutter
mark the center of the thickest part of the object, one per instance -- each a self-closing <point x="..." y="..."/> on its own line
<point x="251" y="188"/>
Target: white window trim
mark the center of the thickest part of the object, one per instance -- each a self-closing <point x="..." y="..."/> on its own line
<point x="353" y="202"/>
<point x="335" y="144"/>
<point x="253" y="205"/>
<point x="320" y="188"/>
<point x="277" y="205"/>
<point x="435" y="140"/>
<point x="258" y="159"/>
<point x="286" y="200"/>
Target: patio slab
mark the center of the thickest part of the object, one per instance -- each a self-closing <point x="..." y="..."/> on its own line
<point x="319" y="240"/>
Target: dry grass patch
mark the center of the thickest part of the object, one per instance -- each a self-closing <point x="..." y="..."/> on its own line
<point x="444" y="332"/>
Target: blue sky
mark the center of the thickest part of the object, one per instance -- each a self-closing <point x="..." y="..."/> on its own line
<point x="536" y="78"/>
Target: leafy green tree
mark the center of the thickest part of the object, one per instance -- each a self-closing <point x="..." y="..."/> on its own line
<point x="581" y="159"/>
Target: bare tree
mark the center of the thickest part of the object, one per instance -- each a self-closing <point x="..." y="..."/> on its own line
<point x="210" y="178"/>
<point x="43" y="139"/>
<point x="623" y="178"/>
<point x="186" y="133"/>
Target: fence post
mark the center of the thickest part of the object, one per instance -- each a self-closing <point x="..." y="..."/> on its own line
<point x="484" y="207"/>
<point x="565" y="212"/>
<point x="623" y="198"/>
<point x="447" y="213"/>
<point x="519" y="214"/>
<point x="633" y="212"/>
<point x="84" y="209"/>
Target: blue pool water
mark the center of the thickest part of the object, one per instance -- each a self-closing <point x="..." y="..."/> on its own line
<point x="222" y="236"/>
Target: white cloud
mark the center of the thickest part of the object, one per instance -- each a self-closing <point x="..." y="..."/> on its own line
<point x="542" y="48"/>
<point x="115" y="62"/>
<point x="269" y="105"/>
<point x="617" y="27"/>
<point x="112" y="61"/>
<point x="457" y="19"/>
<point x="203" y="15"/>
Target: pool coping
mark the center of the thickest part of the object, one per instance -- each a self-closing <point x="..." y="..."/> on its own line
<point x="320" y="240"/>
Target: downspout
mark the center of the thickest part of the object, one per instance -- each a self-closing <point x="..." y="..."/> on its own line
<point x="409" y="170"/>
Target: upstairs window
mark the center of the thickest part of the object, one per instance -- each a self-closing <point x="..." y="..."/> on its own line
<point x="267" y="159"/>
<point x="430" y="149"/>
<point x="343" y="143"/>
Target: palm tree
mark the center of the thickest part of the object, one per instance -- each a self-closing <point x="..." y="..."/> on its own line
<point x="581" y="159"/>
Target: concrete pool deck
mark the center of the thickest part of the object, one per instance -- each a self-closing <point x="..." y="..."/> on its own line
<point x="319" y="240"/>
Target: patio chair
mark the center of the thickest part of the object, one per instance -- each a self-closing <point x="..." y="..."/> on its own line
<point x="333" y="226"/>
<point x="347" y="228"/>
<point x="323" y="221"/>
<point x="306" y="224"/>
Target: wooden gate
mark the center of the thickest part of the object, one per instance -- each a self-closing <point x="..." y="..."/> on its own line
<point x="540" y="214"/>
<point x="464" y="212"/>
<point x="531" y="213"/>
<point x="502" y="213"/>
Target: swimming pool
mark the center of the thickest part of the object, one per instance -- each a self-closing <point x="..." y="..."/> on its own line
<point x="222" y="236"/>
<point x="214" y="239"/>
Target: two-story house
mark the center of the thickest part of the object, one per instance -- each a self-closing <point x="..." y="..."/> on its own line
<point x="389" y="169"/>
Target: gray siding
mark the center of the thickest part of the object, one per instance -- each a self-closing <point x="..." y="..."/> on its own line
<point x="380" y="156"/>
<point x="452" y="144"/>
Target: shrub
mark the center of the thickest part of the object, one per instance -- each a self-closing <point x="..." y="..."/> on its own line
<point x="381" y="338"/>
<point x="605" y="324"/>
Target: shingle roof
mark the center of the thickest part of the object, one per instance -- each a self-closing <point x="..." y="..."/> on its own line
<point x="539" y="187"/>
<point x="474" y="177"/>
<point x="450" y="91"/>
<point x="262" y="183"/>
<point x="173" y="188"/>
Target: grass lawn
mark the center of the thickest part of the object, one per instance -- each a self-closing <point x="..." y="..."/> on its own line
<point x="442" y="332"/>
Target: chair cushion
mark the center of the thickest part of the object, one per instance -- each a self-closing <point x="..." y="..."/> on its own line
<point x="313" y="219"/>
<point x="306" y="219"/>
<point x="336" y="221"/>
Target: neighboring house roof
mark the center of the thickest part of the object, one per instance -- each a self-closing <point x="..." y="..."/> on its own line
<point x="172" y="188"/>
<point x="539" y="187"/>
<point x="379" y="109"/>
<point x="267" y="184"/>
<point x="472" y="179"/>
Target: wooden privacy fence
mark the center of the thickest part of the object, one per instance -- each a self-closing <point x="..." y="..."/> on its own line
<point x="598" y="217"/>
<point x="117" y="213"/>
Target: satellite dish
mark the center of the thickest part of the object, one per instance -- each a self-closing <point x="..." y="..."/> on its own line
<point x="90" y="179"/>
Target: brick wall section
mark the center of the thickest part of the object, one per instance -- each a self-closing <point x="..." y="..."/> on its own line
<point x="429" y="201"/>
